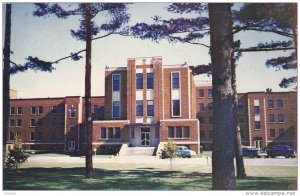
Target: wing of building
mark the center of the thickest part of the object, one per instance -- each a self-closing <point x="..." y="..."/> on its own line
<point x="146" y="104"/>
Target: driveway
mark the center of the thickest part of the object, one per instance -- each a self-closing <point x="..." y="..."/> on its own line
<point x="156" y="160"/>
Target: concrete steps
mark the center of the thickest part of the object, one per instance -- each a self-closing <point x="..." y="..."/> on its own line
<point x="139" y="151"/>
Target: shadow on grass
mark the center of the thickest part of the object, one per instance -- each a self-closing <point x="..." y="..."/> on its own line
<point x="57" y="178"/>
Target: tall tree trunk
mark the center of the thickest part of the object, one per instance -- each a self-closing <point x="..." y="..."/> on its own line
<point x="88" y="116"/>
<point x="6" y="77"/>
<point x="239" y="160"/>
<point x="221" y="41"/>
<point x="293" y="10"/>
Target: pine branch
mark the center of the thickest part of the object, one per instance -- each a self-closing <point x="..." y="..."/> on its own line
<point x="253" y="28"/>
<point x="255" y="49"/>
<point x="68" y="56"/>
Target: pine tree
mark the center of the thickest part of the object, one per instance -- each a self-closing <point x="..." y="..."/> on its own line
<point x="16" y="156"/>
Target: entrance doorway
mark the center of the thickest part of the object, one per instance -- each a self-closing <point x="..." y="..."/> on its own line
<point x="145" y="136"/>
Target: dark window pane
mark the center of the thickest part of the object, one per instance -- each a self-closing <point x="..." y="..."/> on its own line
<point x="150" y="108"/>
<point x="12" y="122"/>
<point x="12" y="110"/>
<point x="103" y="133"/>
<point x="210" y="94"/>
<point x="139" y="108"/>
<point x="186" y="132"/>
<point x="256" y="109"/>
<point x="178" y="132"/>
<point x="116" y="109"/>
<point x="201" y="93"/>
<point x="176" y="107"/>
<point x="272" y="133"/>
<point x="110" y="133"/>
<point x="201" y="106"/>
<point x="271" y="118"/>
<point x="175" y="80"/>
<point x="149" y="80"/>
<point x="271" y="104"/>
<point x="40" y="109"/>
<point x="240" y="104"/>
<point x="170" y="132"/>
<point x="280" y="118"/>
<point x="33" y="110"/>
<point x="280" y="103"/>
<point x="257" y="125"/>
<point x="117" y="132"/>
<point x="19" y="110"/>
<point x="116" y="82"/>
<point x="139" y="81"/>
<point x="32" y="136"/>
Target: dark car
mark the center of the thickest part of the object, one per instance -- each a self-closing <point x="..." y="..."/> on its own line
<point x="281" y="150"/>
<point x="253" y="152"/>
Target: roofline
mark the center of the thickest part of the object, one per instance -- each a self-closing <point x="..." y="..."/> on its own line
<point x="45" y="98"/>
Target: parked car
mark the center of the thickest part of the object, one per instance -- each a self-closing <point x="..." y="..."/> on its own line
<point x="184" y="152"/>
<point x="281" y="150"/>
<point x="253" y="152"/>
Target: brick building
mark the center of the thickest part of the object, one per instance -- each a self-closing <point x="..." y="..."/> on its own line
<point x="265" y="118"/>
<point x="147" y="103"/>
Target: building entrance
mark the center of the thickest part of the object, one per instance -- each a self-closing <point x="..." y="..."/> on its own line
<point x="145" y="136"/>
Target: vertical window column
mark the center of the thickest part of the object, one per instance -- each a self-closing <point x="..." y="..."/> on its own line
<point x="175" y="94"/>
<point x="116" y="96"/>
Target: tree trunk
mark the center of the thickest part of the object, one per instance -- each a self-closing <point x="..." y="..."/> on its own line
<point x="87" y="98"/>
<point x="239" y="160"/>
<point x="221" y="41"/>
<point x="6" y="77"/>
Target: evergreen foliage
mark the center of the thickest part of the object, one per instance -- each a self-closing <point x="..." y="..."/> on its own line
<point x="16" y="156"/>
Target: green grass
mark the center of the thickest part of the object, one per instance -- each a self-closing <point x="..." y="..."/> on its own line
<point x="63" y="176"/>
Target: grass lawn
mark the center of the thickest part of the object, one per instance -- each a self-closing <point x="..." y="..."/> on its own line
<point x="66" y="176"/>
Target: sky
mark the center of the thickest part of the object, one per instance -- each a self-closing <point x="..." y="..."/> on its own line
<point x="50" y="39"/>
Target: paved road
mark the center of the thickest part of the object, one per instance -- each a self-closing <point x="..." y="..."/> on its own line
<point x="156" y="160"/>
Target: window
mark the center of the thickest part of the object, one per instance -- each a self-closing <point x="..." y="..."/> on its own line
<point x="201" y="107"/>
<point x="210" y="120"/>
<point x="103" y="133"/>
<point x="271" y="104"/>
<point x="116" y="109"/>
<point x="170" y="132"/>
<point x="12" y="111"/>
<point x="202" y="135"/>
<point x="32" y="136"/>
<point x="149" y="80"/>
<point x="176" y="108"/>
<point x="201" y="93"/>
<point x="11" y="136"/>
<point x="257" y="125"/>
<point x="280" y="103"/>
<point x="139" y="108"/>
<point x="281" y="131"/>
<point x="117" y="133"/>
<point x="186" y="132"/>
<point x="33" y="110"/>
<point x="241" y="119"/>
<point x="19" y="122"/>
<point x="271" y="118"/>
<point x="40" y="123"/>
<point x="39" y="135"/>
<point x="178" y="132"/>
<point x="175" y="80"/>
<point x="202" y="120"/>
<point x="19" y="111"/>
<point x="256" y="109"/>
<point x="96" y="109"/>
<point x="116" y="82"/>
<point x="72" y="112"/>
<point x="280" y="118"/>
<point x="139" y="81"/>
<point x="210" y="106"/>
<point x="272" y="132"/>
<point x="110" y="133"/>
<point x="71" y="145"/>
<point x="40" y="109"/>
<point x="240" y="104"/>
<point x="210" y="93"/>
<point x="12" y="122"/>
<point x="150" y="108"/>
<point x="32" y="122"/>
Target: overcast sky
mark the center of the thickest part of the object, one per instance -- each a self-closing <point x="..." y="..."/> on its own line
<point x="50" y="39"/>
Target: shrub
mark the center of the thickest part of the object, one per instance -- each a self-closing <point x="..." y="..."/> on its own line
<point x="16" y="156"/>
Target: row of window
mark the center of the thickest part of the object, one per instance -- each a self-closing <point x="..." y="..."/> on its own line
<point x="33" y="111"/>
<point x="279" y="104"/>
<point x="33" y="135"/>
<point x="272" y="118"/>
<point x="202" y="94"/>
<point x="209" y="106"/>
<point x="139" y="108"/>
<point x="179" y="132"/>
<point x="110" y="133"/>
<point x="34" y="122"/>
<point x="273" y="132"/>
